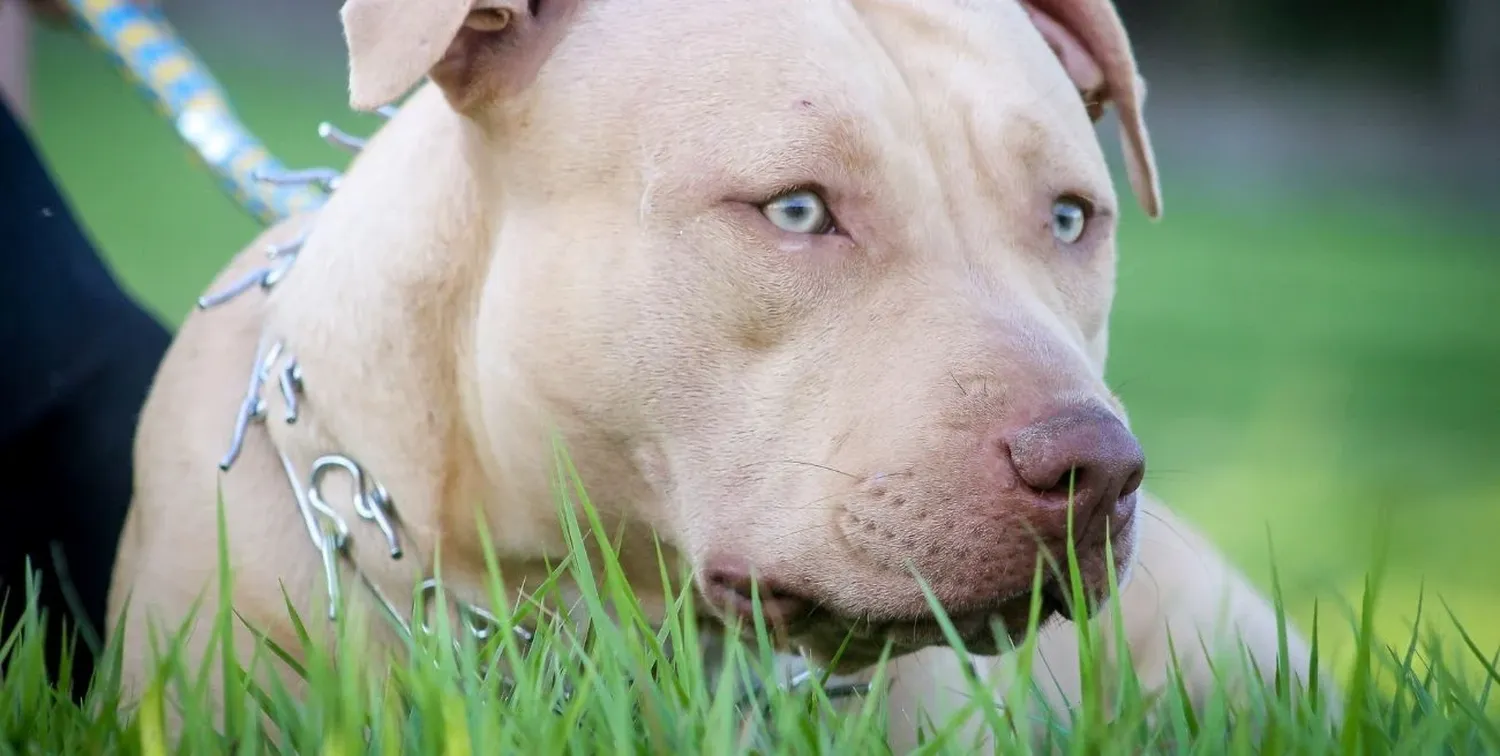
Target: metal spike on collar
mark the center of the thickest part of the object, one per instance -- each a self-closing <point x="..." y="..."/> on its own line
<point x="326" y="179"/>
<point x="291" y="389"/>
<point x="284" y="254"/>
<point x="340" y="138"/>
<point x="330" y="532"/>
<point x="834" y="688"/>
<point x="287" y="248"/>
<point x="263" y="277"/>
<point x="252" y="406"/>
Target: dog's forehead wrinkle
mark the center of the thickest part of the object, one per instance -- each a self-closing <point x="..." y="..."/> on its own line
<point x="889" y="124"/>
<point x="973" y="103"/>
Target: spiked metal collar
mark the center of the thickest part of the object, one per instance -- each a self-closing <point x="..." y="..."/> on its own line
<point x="149" y="52"/>
<point x="277" y="369"/>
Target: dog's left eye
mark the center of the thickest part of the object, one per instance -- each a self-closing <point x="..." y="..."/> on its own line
<point x="1070" y="218"/>
<point x="799" y="212"/>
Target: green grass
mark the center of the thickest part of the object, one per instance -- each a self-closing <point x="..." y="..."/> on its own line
<point x="1320" y="367"/>
<point x="617" y="689"/>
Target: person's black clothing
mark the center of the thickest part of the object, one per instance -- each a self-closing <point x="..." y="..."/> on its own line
<point x="78" y="357"/>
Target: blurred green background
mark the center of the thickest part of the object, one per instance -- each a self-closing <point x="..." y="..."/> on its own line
<point x="1308" y="342"/>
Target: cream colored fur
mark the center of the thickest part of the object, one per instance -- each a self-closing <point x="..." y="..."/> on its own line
<point x="558" y="237"/>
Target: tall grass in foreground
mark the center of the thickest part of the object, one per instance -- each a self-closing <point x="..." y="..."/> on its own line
<point x="628" y="686"/>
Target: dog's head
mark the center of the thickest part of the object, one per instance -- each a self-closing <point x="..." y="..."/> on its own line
<point x="828" y="280"/>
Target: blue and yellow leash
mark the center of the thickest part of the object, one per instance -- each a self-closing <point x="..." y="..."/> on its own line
<point x="151" y="54"/>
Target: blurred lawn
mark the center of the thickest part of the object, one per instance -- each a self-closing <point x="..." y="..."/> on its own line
<point x="1325" y="369"/>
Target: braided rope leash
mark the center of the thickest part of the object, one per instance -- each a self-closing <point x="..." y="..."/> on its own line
<point x="152" y="55"/>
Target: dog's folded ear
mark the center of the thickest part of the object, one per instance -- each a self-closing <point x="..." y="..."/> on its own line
<point x="460" y="44"/>
<point x="1091" y="44"/>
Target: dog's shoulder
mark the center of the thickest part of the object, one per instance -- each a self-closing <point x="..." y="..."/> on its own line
<point x="188" y="417"/>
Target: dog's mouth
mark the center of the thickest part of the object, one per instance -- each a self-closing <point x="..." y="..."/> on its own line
<point x="845" y="643"/>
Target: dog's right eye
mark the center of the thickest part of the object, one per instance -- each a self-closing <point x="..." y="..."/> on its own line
<point x="1070" y="217"/>
<point x="799" y="212"/>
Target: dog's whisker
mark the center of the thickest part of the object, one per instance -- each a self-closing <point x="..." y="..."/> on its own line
<point x="824" y="543"/>
<point x="1155" y="581"/>
<point x="813" y="502"/>
<point x="814" y="465"/>
<point x="961" y="390"/>
<point x="1169" y="526"/>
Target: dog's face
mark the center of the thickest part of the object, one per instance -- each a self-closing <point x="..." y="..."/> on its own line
<point x="829" y="280"/>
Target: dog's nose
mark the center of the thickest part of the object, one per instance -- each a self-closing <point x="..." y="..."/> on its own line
<point x="1084" y="451"/>
<point x="727" y="585"/>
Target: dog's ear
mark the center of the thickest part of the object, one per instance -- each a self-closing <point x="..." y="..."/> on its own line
<point x="1091" y="43"/>
<point x="393" y="44"/>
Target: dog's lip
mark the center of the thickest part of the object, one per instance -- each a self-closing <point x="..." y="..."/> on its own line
<point x="981" y="630"/>
<point x="986" y="632"/>
<point x="1013" y="611"/>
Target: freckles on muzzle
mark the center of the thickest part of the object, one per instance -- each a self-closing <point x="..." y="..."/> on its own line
<point x="973" y="520"/>
<point x="974" y="523"/>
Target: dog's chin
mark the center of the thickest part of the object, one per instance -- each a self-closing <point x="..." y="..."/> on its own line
<point x="843" y="644"/>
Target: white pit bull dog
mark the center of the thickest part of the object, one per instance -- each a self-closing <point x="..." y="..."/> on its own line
<point x="817" y="290"/>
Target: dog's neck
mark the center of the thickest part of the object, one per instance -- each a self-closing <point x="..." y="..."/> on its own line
<point x="379" y="312"/>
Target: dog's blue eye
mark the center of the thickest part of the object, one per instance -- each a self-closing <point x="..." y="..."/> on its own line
<point x="1070" y="218"/>
<point x="799" y="212"/>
